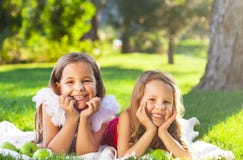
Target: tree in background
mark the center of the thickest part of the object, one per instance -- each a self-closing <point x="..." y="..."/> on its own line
<point x="154" y="16"/>
<point x="177" y="17"/>
<point x="225" y="55"/>
<point x="10" y="18"/>
<point x="10" y="23"/>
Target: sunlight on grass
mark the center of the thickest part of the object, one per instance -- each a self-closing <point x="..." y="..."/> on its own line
<point x="228" y="134"/>
<point x="220" y="114"/>
<point x="195" y="47"/>
<point x="31" y="65"/>
<point x="187" y="70"/>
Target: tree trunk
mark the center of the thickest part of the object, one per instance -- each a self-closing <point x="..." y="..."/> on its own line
<point x="125" y="43"/>
<point x="125" y="37"/>
<point x="171" y="50"/>
<point x="224" y="70"/>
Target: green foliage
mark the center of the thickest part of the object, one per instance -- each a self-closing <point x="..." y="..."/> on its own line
<point x="48" y="29"/>
<point x="56" y="18"/>
<point x="69" y="18"/>
<point x="12" y="50"/>
<point x="40" y="49"/>
<point x="9" y="17"/>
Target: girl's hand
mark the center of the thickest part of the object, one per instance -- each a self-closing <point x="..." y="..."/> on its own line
<point x="67" y="104"/>
<point x="168" y="122"/>
<point x="144" y="118"/>
<point x="93" y="107"/>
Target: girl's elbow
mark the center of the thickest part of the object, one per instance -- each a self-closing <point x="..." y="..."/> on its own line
<point x="120" y="154"/>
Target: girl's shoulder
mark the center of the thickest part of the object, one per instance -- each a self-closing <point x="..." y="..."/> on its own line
<point x="125" y="115"/>
<point x="47" y="97"/>
<point x="127" y="112"/>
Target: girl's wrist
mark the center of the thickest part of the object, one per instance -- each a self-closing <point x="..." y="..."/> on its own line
<point x="162" y="134"/>
<point x="152" y="130"/>
<point x="72" y="119"/>
<point x="84" y="118"/>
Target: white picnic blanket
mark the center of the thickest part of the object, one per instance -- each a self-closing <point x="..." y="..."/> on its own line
<point x="200" y="150"/>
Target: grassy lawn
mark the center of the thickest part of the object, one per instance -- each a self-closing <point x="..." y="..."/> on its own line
<point x="220" y="113"/>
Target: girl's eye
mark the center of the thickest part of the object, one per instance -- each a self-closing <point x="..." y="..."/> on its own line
<point x="151" y="100"/>
<point x="87" y="81"/>
<point x="69" y="82"/>
<point x="167" y="104"/>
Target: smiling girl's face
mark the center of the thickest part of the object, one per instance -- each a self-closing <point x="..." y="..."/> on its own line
<point x="78" y="81"/>
<point x="158" y="97"/>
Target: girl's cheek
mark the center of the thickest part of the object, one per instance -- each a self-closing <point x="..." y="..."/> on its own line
<point x="65" y="91"/>
<point x="169" y="113"/>
<point x="149" y="106"/>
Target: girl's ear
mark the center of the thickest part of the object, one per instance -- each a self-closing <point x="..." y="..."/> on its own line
<point x="58" y="88"/>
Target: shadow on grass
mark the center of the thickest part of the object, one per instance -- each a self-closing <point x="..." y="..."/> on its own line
<point x="212" y="107"/>
<point x="26" y="78"/>
<point x="116" y="73"/>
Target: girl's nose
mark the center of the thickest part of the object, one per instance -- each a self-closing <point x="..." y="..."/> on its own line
<point x="79" y="87"/>
<point x="160" y="106"/>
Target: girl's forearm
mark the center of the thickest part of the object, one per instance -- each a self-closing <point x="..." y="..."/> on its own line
<point x="62" y="142"/>
<point x="174" y="147"/>
<point x="85" y="140"/>
<point x="141" y="146"/>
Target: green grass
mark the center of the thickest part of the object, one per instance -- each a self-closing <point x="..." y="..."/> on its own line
<point x="220" y="112"/>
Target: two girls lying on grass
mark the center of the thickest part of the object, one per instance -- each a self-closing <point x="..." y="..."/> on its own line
<point x="74" y="116"/>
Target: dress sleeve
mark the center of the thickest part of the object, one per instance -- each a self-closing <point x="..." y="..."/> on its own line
<point x="108" y="110"/>
<point x="47" y="97"/>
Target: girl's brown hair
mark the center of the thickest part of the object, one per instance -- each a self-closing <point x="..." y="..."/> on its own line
<point x="55" y="77"/>
<point x="137" y="129"/>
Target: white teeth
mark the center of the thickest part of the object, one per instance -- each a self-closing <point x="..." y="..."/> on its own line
<point x="157" y="115"/>
<point x="78" y="97"/>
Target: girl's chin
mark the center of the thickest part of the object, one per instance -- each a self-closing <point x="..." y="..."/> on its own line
<point x="158" y="123"/>
<point x="80" y="107"/>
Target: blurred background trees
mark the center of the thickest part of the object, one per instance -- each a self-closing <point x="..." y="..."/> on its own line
<point x="43" y="30"/>
<point x="168" y="20"/>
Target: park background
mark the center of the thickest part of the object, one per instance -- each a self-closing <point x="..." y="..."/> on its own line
<point x="198" y="42"/>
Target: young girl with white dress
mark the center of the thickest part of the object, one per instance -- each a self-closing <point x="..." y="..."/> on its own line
<point x="72" y="114"/>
